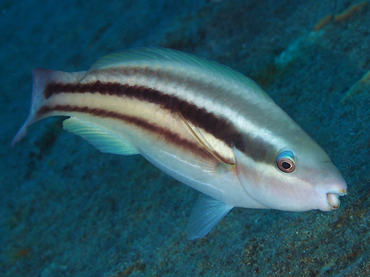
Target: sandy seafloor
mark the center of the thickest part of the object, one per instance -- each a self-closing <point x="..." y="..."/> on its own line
<point x="68" y="210"/>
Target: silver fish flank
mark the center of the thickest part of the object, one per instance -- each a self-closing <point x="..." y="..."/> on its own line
<point x="204" y="124"/>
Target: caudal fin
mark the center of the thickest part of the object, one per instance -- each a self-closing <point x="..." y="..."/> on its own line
<point x="41" y="78"/>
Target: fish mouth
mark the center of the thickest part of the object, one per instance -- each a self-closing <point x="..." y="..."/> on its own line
<point x="333" y="198"/>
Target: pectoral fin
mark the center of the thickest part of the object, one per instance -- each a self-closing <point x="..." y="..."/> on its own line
<point x="198" y="135"/>
<point x="206" y="213"/>
<point x="102" y="139"/>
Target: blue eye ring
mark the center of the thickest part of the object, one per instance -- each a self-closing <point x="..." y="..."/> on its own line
<point x="285" y="161"/>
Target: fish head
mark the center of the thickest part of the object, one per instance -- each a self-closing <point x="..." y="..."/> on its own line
<point x="296" y="177"/>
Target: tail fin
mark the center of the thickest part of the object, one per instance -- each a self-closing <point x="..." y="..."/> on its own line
<point x="41" y="78"/>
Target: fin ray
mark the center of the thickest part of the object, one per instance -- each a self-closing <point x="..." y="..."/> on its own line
<point x="169" y="58"/>
<point x="199" y="137"/>
<point x="206" y="213"/>
<point x="103" y="140"/>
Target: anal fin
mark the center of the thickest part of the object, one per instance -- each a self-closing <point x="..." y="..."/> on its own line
<point x="102" y="139"/>
<point x="206" y="213"/>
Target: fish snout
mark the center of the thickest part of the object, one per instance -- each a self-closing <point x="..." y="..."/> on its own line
<point x="333" y="199"/>
<point x="331" y="187"/>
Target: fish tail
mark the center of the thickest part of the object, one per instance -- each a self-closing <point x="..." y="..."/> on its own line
<point x="41" y="78"/>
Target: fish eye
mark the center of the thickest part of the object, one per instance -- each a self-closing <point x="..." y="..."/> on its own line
<point x="285" y="161"/>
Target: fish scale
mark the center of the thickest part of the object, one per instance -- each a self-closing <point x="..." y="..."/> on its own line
<point x="202" y="123"/>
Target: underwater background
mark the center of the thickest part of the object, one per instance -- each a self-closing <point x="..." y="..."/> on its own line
<point x="68" y="210"/>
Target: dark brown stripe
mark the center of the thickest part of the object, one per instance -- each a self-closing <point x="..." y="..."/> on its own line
<point x="172" y="137"/>
<point x="219" y="127"/>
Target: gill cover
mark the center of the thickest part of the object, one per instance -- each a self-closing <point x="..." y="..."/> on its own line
<point x="257" y="179"/>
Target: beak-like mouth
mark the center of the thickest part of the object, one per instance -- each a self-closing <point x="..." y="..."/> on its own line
<point x="333" y="199"/>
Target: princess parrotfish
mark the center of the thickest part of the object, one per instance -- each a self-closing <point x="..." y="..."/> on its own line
<point x="202" y="123"/>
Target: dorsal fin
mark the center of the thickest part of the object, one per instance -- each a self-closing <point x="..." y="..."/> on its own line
<point x="173" y="60"/>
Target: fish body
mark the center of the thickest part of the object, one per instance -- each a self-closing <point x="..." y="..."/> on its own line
<point x="204" y="124"/>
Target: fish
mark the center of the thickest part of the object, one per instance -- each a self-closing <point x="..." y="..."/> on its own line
<point x="204" y="124"/>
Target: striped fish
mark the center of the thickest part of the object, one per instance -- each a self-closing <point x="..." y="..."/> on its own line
<point x="204" y="124"/>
